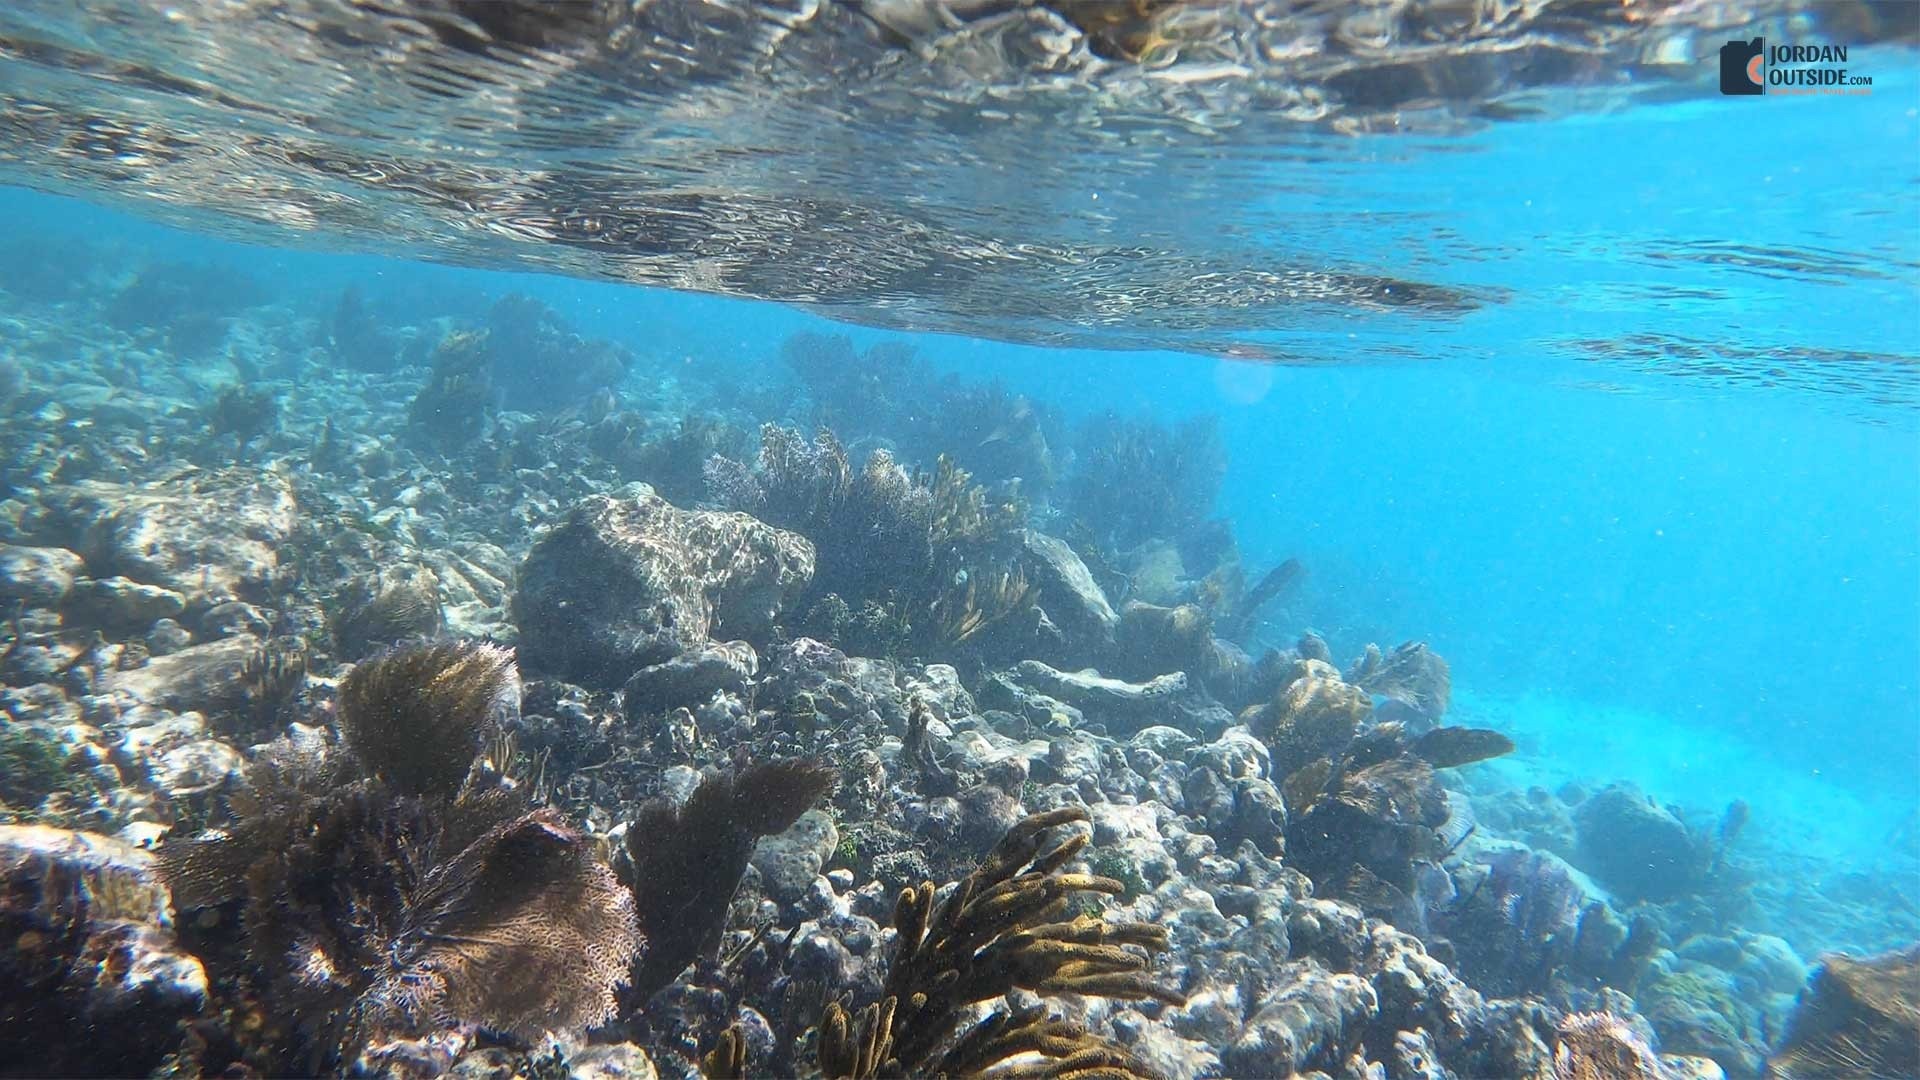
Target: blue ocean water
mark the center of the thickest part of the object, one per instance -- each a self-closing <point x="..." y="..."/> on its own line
<point x="1654" y="493"/>
<point x="1707" y="582"/>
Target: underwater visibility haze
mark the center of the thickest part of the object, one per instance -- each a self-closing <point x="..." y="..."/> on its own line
<point x="1013" y="538"/>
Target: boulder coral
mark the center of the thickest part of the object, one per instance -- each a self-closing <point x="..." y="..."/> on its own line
<point x="630" y="581"/>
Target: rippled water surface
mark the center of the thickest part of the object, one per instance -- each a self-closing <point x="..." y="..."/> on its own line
<point x="1248" y="179"/>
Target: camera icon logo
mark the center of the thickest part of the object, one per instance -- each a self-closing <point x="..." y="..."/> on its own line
<point x="1743" y="67"/>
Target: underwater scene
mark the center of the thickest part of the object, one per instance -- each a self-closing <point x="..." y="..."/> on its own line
<point x="1029" y="539"/>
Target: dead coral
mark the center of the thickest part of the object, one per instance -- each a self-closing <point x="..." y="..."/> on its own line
<point x="999" y="930"/>
<point x="686" y="861"/>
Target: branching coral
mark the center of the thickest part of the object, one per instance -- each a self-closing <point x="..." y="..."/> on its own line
<point x="399" y="881"/>
<point x="269" y="680"/>
<point x="1134" y="479"/>
<point x="452" y="409"/>
<point x="686" y="861"/>
<point x="999" y="930"/>
<point x="928" y="555"/>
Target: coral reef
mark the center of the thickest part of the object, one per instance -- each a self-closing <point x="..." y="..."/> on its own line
<point x="1134" y="480"/>
<point x="538" y="364"/>
<point x="699" y="835"/>
<point x="918" y="561"/>
<point x="685" y="861"/>
<point x="623" y="583"/>
<point x="999" y="930"/>
<point x="390" y="604"/>
<point x="455" y="406"/>
<point x="1639" y="848"/>
<point x="398" y="880"/>
<point x="1412" y="676"/>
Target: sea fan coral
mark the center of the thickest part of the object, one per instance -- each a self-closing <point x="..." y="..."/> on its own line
<point x="526" y="898"/>
<point x="394" y="603"/>
<point x="686" y="861"/>
<point x="1859" y="1017"/>
<point x="395" y="881"/>
<point x="1600" y="1046"/>
<point x="418" y="716"/>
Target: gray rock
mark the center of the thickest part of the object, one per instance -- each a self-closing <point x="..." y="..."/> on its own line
<point x="119" y="603"/>
<point x="690" y="678"/>
<point x="208" y="536"/>
<point x="235" y="617"/>
<point x="790" y="861"/>
<point x="87" y="947"/>
<point x="939" y="686"/>
<point x="203" y="677"/>
<point x="197" y="766"/>
<point x="166" y="637"/>
<point x="38" y="576"/>
<point x="617" y="1061"/>
<point x="1072" y="599"/>
<point x="1636" y="848"/>
<point x="622" y="583"/>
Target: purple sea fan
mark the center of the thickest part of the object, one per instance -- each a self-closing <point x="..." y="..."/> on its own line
<point x="524" y="930"/>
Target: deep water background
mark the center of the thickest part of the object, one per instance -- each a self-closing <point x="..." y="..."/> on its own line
<point x="1711" y="589"/>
